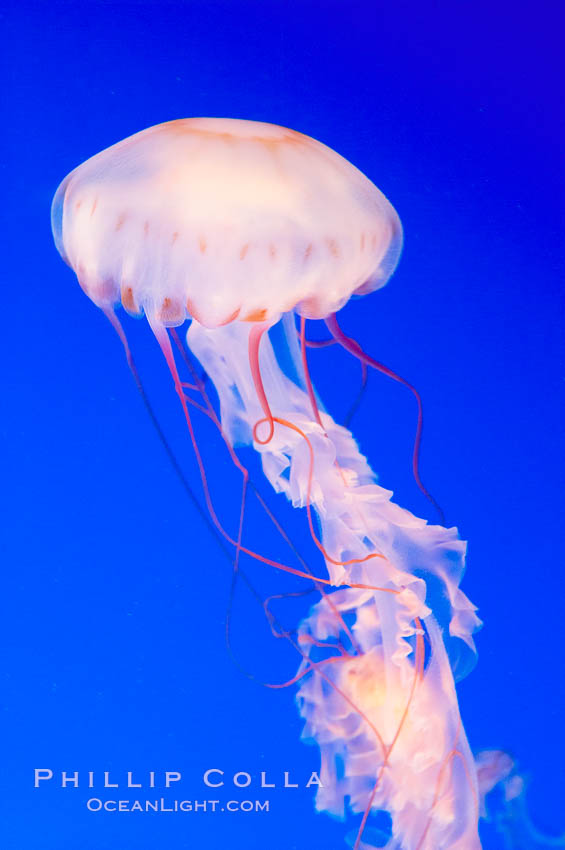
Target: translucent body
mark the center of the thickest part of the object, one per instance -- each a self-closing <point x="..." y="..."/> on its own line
<point x="218" y="218"/>
<point x="235" y="225"/>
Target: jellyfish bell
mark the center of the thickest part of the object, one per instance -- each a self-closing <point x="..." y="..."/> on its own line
<point x="233" y="225"/>
<point x="223" y="219"/>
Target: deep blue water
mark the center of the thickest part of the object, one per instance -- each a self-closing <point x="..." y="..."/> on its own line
<point x="114" y="592"/>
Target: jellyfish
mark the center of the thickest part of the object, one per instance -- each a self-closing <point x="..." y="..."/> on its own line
<point x="247" y="231"/>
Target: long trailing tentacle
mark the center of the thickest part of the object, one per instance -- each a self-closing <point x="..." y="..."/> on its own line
<point x="354" y="348"/>
<point x="311" y="667"/>
<point x="209" y="411"/>
<point x="326" y="343"/>
<point x="206" y="515"/>
<point x="238" y="572"/>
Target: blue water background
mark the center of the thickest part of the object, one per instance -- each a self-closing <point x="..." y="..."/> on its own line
<point x="114" y="593"/>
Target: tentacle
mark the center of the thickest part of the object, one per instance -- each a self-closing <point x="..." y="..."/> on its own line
<point x="354" y="348"/>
